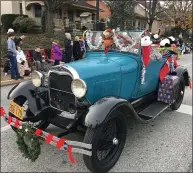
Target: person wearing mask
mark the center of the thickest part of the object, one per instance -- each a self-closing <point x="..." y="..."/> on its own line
<point x="56" y="52"/>
<point x="12" y="53"/>
<point x="68" y="47"/>
<point x="76" y="49"/>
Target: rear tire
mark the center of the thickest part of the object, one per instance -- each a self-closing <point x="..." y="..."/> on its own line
<point x="109" y="137"/>
<point x="20" y="101"/>
<point x="179" y="94"/>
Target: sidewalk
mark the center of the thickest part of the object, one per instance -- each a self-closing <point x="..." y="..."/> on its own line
<point x="6" y="80"/>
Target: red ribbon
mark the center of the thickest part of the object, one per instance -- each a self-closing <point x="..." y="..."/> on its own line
<point x="49" y="139"/>
<point x="9" y="120"/>
<point x="16" y="123"/>
<point x="38" y="132"/>
<point x="69" y="150"/>
<point x="60" y="143"/>
<point x="2" y="112"/>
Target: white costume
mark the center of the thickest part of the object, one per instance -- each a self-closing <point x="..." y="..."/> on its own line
<point x="20" y="56"/>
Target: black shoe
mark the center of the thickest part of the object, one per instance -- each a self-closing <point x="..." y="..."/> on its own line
<point x="20" y="77"/>
<point x="14" y="78"/>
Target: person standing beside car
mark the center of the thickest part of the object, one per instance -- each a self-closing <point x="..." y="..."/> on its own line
<point x="76" y="49"/>
<point x="12" y="53"/>
<point x="17" y="41"/>
<point x="56" y="52"/>
<point x="68" y="47"/>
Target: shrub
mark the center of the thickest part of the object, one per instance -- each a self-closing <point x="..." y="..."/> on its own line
<point x="8" y="19"/>
<point x="23" y="24"/>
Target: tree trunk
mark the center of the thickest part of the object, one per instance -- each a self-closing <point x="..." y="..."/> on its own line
<point x="49" y="20"/>
<point x="150" y="25"/>
<point x="50" y="24"/>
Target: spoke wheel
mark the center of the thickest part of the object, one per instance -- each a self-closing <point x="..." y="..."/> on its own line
<point x="107" y="142"/>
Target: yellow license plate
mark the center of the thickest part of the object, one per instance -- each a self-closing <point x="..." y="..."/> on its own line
<point x="16" y="110"/>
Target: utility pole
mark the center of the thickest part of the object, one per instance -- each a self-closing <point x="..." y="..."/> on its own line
<point x="97" y="14"/>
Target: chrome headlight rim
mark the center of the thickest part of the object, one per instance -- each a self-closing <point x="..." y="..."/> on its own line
<point x="40" y="77"/>
<point x="84" y="86"/>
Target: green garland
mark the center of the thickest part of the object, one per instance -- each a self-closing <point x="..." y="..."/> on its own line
<point x="28" y="143"/>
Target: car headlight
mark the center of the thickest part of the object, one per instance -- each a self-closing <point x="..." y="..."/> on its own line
<point x="79" y="88"/>
<point x="37" y="78"/>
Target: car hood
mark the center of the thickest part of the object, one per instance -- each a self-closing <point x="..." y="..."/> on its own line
<point x="98" y="63"/>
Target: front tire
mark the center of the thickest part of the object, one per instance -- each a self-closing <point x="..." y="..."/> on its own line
<point x="21" y="101"/>
<point x="107" y="141"/>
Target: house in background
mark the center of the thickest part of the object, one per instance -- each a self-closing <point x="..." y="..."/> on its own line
<point x="76" y="14"/>
<point x="106" y="13"/>
<point x="31" y="8"/>
<point x="73" y="14"/>
<point x="139" y="23"/>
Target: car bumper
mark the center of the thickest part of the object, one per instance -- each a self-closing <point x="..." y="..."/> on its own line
<point x="75" y="146"/>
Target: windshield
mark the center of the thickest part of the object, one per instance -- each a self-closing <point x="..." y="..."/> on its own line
<point x="123" y="41"/>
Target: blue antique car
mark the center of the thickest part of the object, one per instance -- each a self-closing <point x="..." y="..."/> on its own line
<point x="98" y="93"/>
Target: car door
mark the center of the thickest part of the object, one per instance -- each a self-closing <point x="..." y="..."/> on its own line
<point x="151" y="74"/>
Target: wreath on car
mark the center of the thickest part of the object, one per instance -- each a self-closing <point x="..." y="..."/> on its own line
<point x="28" y="143"/>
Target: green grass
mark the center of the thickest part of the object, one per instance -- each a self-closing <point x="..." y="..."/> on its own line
<point x="33" y="40"/>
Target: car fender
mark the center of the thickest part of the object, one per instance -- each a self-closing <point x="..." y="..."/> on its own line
<point x="183" y="72"/>
<point x="99" y="111"/>
<point x="26" y="89"/>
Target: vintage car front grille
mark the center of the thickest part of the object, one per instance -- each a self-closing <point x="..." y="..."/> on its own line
<point x="61" y="96"/>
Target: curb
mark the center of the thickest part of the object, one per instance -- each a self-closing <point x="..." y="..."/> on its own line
<point x="12" y="82"/>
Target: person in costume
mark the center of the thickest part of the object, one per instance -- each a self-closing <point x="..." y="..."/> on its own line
<point x="156" y="38"/>
<point x="108" y="41"/>
<point x="146" y="50"/>
<point x="170" y="65"/>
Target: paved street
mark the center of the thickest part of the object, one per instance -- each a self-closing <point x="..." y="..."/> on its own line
<point x="164" y="145"/>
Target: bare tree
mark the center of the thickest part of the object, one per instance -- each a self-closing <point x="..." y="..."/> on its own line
<point x="179" y="14"/>
<point x="153" y="9"/>
<point x="51" y="7"/>
<point x="122" y="12"/>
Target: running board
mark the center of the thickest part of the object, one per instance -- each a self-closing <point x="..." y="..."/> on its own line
<point x="155" y="109"/>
